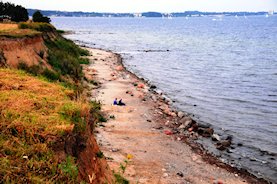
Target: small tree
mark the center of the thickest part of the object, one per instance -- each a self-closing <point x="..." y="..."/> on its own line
<point x="38" y="17"/>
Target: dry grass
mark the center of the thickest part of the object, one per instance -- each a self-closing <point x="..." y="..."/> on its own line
<point x="8" y="26"/>
<point x="12" y="31"/>
<point x="34" y="115"/>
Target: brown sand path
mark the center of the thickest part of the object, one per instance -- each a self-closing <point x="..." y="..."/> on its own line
<point x="157" y="158"/>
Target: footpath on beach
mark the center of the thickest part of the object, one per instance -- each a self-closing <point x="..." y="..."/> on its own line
<point x="137" y="131"/>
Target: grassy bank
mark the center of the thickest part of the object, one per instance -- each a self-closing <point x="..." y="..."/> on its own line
<point x="14" y="31"/>
<point x="42" y="107"/>
<point x="35" y="115"/>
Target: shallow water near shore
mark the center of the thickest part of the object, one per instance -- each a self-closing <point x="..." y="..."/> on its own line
<point x="224" y="72"/>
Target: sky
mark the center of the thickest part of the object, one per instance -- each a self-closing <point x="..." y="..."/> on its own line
<point x="136" y="6"/>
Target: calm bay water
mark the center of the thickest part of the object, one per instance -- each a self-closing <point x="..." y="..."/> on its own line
<point x="222" y="71"/>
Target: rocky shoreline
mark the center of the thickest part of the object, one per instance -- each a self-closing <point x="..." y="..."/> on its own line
<point x="186" y="129"/>
<point x="180" y="125"/>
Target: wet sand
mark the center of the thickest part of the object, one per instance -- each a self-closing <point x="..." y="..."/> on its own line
<point x="140" y="129"/>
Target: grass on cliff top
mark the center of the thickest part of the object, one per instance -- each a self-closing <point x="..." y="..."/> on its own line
<point x="13" y="31"/>
<point x="38" y="26"/>
<point x="66" y="57"/>
<point x="34" y="116"/>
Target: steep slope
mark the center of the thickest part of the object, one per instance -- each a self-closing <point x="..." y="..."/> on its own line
<point x="46" y="129"/>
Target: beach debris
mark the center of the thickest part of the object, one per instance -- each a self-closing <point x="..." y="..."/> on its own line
<point x="168" y="132"/>
<point x="153" y="87"/>
<point x="25" y="157"/>
<point x="148" y="120"/>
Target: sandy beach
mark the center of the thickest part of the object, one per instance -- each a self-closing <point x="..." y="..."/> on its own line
<point x="142" y="130"/>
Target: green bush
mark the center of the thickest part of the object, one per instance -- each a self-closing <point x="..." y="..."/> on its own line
<point x="38" y="17"/>
<point x="65" y="57"/>
<point x="84" y="61"/>
<point x="50" y="75"/>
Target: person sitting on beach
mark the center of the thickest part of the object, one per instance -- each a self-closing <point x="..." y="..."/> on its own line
<point x="121" y="103"/>
<point x="115" y="101"/>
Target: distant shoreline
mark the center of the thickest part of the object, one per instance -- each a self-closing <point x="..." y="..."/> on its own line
<point x="53" y="13"/>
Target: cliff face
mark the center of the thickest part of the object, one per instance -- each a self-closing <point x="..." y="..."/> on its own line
<point x="92" y="165"/>
<point x="31" y="51"/>
<point x="83" y="146"/>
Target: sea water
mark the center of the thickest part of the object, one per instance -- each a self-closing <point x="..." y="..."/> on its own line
<point x="222" y="71"/>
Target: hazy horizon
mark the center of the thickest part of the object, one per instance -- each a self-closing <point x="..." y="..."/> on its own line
<point x="164" y="6"/>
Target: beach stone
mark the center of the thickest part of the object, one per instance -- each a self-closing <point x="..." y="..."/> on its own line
<point x="141" y="85"/>
<point x="186" y="121"/>
<point x="215" y="137"/>
<point x="165" y="175"/>
<point x="119" y="68"/>
<point x="154" y="98"/>
<point x="159" y="92"/>
<point x="180" y="114"/>
<point x="205" y="132"/>
<point x="182" y="126"/>
<point x="222" y="145"/>
<point x="173" y="114"/>
<point x="202" y="125"/>
<point x="115" y="150"/>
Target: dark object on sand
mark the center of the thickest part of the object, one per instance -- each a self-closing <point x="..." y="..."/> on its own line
<point x="121" y="103"/>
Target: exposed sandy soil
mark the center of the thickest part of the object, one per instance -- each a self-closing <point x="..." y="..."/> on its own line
<point x="157" y="158"/>
<point x="31" y="51"/>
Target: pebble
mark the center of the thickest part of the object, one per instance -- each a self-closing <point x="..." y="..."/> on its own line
<point x="165" y="175"/>
<point x="181" y="114"/>
<point x="115" y="150"/>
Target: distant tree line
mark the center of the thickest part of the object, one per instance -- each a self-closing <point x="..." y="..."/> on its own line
<point x="16" y="12"/>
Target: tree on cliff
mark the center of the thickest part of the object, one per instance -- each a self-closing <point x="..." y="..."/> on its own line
<point x="38" y="17"/>
<point x="17" y="13"/>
